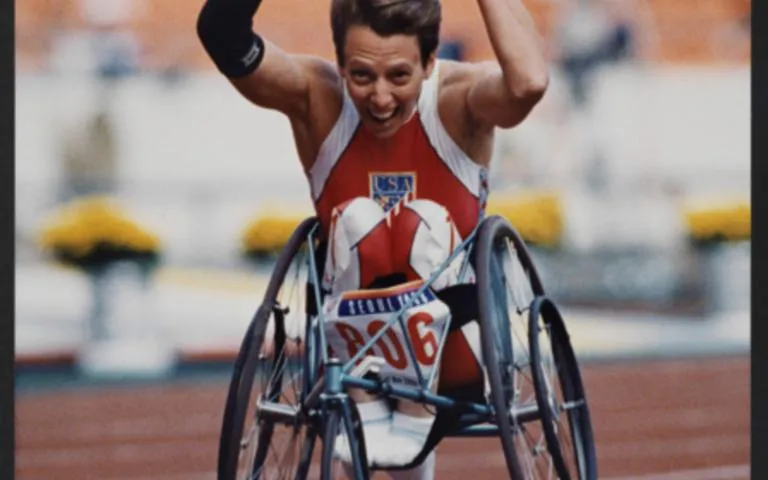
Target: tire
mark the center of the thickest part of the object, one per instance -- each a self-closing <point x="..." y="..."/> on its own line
<point x="560" y="394"/>
<point x="275" y="370"/>
<point x="507" y="284"/>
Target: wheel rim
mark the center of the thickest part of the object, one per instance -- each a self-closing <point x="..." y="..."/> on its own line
<point x="274" y="451"/>
<point x="562" y="401"/>
<point x="507" y="287"/>
<point x="269" y="369"/>
<point x="513" y="307"/>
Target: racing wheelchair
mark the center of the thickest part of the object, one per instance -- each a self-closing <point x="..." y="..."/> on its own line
<point x="287" y="391"/>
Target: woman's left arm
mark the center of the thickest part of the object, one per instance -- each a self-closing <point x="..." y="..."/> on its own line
<point x="502" y="94"/>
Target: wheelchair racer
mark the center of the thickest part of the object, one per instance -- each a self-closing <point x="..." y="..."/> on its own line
<point x="386" y="134"/>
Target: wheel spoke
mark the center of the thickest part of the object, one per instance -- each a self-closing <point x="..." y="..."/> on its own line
<point x="562" y="403"/>
<point x="533" y="375"/>
<point x="267" y="450"/>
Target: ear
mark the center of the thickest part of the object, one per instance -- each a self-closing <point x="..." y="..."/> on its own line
<point x="430" y="64"/>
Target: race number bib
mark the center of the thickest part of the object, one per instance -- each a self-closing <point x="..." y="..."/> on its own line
<point x="356" y="316"/>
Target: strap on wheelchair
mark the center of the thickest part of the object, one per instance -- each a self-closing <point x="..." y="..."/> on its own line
<point x="447" y="421"/>
<point x="319" y="260"/>
<point x="462" y="302"/>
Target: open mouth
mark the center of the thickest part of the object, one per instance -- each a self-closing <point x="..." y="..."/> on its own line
<point x="383" y="117"/>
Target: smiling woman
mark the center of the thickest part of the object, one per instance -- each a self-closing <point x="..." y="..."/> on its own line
<point x="384" y="78"/>
<point x="389" y="124"/>
<point x="385" y="50"/>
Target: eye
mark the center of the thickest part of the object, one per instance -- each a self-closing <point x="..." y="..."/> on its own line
<point x="400" y="76"/>
<point x="361" y="76"/>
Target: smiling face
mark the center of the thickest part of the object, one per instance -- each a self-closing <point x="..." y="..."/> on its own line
<point x="384" y="77"/>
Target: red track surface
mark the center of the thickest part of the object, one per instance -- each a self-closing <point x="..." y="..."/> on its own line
<point x="690" y="417"/>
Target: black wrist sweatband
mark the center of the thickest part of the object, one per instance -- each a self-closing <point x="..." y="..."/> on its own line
<point x="225" y="28"/>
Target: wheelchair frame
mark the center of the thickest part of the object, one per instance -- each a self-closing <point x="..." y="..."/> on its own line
<point x="324" y="404"/>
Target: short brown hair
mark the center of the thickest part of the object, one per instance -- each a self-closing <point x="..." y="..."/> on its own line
<point x="388" y="17"/>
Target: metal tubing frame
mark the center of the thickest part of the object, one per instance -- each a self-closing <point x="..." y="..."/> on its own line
<point x="475" y="414"/>
<point x="395" y="317"/>
<point x="329" y="390"/>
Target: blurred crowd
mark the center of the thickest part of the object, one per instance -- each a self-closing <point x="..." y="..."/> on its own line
<point x="125" y="36"/>
<point x="114" y="39"/>
<point x="108" y="41"/>
<point x="561" y="146"/>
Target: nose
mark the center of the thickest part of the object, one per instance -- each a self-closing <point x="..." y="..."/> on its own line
<point x="382" y="96"/>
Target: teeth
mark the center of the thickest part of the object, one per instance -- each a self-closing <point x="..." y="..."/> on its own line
<point x="382" y="118"/>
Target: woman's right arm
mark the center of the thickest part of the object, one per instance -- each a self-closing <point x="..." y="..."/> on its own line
<point x="261" y="71"/>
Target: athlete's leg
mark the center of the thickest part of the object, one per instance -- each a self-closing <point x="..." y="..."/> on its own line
<point x="435" y="237"/>
<point x="359" y="251"/>
<point x="358" y="246"/>
<point x="414" y="239"/>
<point x="423" y="236"/>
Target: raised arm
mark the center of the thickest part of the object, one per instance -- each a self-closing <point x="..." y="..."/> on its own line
<point x="504" y="93"/>
<point x="261" y="71"/>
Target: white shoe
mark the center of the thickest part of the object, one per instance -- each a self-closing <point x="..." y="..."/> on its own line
<point x="376" y="419"/>
<point x="403" y="443"/>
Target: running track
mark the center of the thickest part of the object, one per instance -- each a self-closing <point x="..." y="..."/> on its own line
<point x="653" y="420"/>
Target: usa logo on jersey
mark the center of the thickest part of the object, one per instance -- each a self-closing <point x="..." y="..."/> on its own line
<point x="387" y="188"/>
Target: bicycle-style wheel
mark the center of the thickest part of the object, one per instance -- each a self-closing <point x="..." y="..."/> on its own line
<point x="270" y="372"/>
<point x="560" y="394"/>
<point x="507" y="283"/>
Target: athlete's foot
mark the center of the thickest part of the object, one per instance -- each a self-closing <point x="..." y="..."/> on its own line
<point x="376" y="418"/>
<point x="405" y="440"/>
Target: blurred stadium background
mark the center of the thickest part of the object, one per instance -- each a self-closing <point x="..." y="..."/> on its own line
<point x="631" y="179"/>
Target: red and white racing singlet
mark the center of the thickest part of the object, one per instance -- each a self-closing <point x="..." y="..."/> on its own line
<point x="420" y="159"/>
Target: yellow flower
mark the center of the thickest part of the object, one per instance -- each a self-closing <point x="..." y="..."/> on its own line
<point x="78" y="228"/>
<point x="721" y="221"/>
<point x="269" y="232"/>
<point x="537" y="215"/>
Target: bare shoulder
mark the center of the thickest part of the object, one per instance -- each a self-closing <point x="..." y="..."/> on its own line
<point x="325" y="91"/>
<point x="324" y="84"/>
<point x="285" y="82"/>
<point x="319" y="69"/>
<point x="456" y="81"/>
<point x="457" y="75"/>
